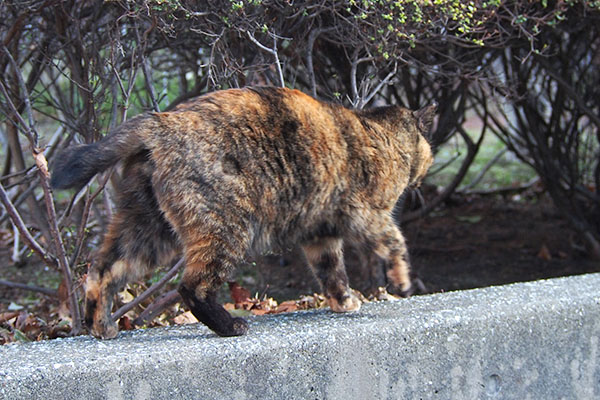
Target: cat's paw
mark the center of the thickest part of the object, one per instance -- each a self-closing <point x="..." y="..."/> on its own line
<point x="349" y="303"/>
<point x="106" y="329"/>
<point x="416" y="287"/>
<point x="237" y="327"/>
<point x="240" y="326"/>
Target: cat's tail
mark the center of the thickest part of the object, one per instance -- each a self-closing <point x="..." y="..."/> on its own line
<point x="76" y="165"/>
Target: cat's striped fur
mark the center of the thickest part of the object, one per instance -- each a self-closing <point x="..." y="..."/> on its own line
<point x="244" y="170"/>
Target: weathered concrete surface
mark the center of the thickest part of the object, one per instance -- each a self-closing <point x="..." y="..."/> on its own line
<point x="523" y="341"/>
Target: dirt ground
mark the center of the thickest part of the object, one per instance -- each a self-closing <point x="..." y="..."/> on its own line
<point x="469" y="242"/>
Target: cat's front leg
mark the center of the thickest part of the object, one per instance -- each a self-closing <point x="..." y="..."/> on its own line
<point x="325" y="257"/>
<point x="391" y="247"/>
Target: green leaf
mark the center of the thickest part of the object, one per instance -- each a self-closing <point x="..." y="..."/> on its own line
<point x="471" y="219"/>
<point x="20" y="336"/>
<point x="239" y="313"/>
<point x="63" y="323"/>
<point x="520" y="19"/>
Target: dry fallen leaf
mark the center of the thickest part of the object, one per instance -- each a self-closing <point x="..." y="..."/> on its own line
<point x="125" y="296"/>
<point x="563" y="255"/>
<point x="286" y="306"/>
<point x="64" y="312"/>
<point x="5" y="316"/>
<point x="382" y="295"/>
<point x="544" y="253"/>
<point x="60" y="329"/>
<point x="258" y="311"/>
<point x="29" y="324"/>
<point x="5" y="336"/>
<point x="125" y="323"/>
<point x="315" y="301"/>
<point x="185" y="318"/>
<point x="238" y="293"/>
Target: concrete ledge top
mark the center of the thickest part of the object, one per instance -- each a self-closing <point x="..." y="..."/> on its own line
<point x="525" y="340"/>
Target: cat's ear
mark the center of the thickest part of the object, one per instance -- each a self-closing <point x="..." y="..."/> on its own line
<point x="424" y="118"/>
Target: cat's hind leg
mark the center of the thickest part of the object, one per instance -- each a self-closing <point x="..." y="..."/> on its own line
<point x="112" y="271"/>
<point x="326" y="259"/>
<point x="129" y="249"/>
<point x="100" y="288"/>
<point x="209" y="261"/>
<point x="138" y="238"/>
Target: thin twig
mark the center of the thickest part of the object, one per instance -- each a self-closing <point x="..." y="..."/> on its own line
<point x="144" y="63"/>
<point x="74" y="201"/>
<point x="42" y="165"/>
<point x="309" y="61"/>
<point x="132" y="304"/>
<point x="16" y="254"/>
<point x="157" y="307"/>
<point x="503" y="191"/>
<point x="16" y="219"/>
<point x="272" y="51"/>
<point x="314" y="34"/>
<point x="31" y="288"/>
<point x="85" y="216"/>
<point x="23" y="88"/>
<point x="383" y="82"/>
<point x="19" y="199"/>
<point x="356" y="99"/>
<point x="484" y="170"/>
<point x="26" y="249"/>
<point x="6" y="177"/>
<point x="472" y="149"/>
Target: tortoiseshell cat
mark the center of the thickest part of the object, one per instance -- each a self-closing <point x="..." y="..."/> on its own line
<point x="244" y="170"/>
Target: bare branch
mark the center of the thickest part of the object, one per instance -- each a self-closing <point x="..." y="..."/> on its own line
<point x="84" y="218"/>
<point x="484" y="170"/>
<point x="383" y="82"/>
<point x="272" y="51"/>
<point x="314" y="34"/>
<point x="31" y="288"/>
<point x="25" y="93"/>
<point x="42" y="165"/>
<point x="15" y="217"/>
<point x="357" y="101"/>
<point x="16" y="254"/>
<point x="157" y="307"/>
<point x="472" y="149"/>
<point x="148" y="292"/>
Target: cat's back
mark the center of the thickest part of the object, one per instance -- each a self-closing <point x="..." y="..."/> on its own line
<point x="263" y="110"/>
<point x="280" y="126"/>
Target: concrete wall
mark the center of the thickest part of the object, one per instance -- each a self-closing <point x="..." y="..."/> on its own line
<point x="523" y="341"/>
